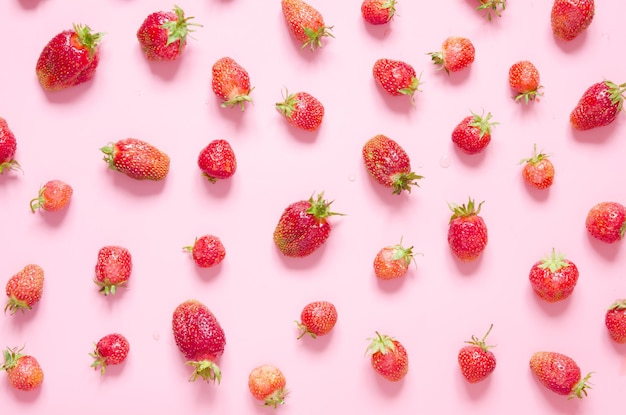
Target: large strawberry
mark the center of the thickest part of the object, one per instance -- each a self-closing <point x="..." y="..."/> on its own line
<point x="467" y="231"/>
<point x="606" y="221"/>
<point x="24" y="289"/>
<point x="388" y="357"/>
<point x="317" y="319"/>
<point x="615" y="321"/>
<point x="110" y="350"/>
<point x="524" y="80"/>
<point x="302" y="110"/>
<point x="137" y="159"/>
<point x="207" y="251"/>
<point x="393" y="261"/>
<point x="476" y="361"/>
<point x="378" y="12"/>
<point x="492" y="6"/>
<point x="457" y="53"/>
<point x="268" y="384"/>
<point x="8" y="146"/>
<point x="113" y="268"/>
<point x="396" y="77"/>
<point x="217" y="161"/>
<point x="598" y="106"/>
<point x="231" y="83"/>
<point x="70" y="58"/>
<point x="560" y="374"/>
<point x="538" y="170"/>
<point x="569" y="18"/>
<point x="53" y="196"/>
<point x="24" y="371"/>
<point x="305" y="23"/>
<point x="554" y="277"/>
<point x="473" y="133"/>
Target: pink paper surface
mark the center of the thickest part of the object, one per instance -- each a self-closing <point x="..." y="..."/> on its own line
<point x="256" y="293"/>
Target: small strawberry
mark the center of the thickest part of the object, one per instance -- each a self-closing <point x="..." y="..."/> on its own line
<point x="70" y="58"/>
<point x="8" y="145"/>
<point x="388" y="357"/>
<point x="388" y="164"/>
<point x="200" y="338"/>
<point x="207" y="251"/>
<point x="231" y="83"/>
<point x="615" y="321"/>
<point x="393" y="261"/>
<point x="476" y="361"/>
<point x="53" y="196"/>
<point x="217" y="161"/>
<point x="457" y="53"/>
<point x="598" y="106"/>
<point x="524" y="81"/>
<point x="606" y="221"/>
<point x="317" y="319"/>
<point x="473" y="134"/>
<point x="396" y="77"/>
<point x="569" y="18"/>
<point x="110" y="350"/>
<point x="302" y="110"/>
<point x="560" y="374"/>
<point x="305" y="23"/>
<point x="467" y="231"/>
<point x="24" y="288"/>
<point x="113" y="268"/>
<point x="495" y="6"/>
<point x="378" y="12"/>
<point x="538" y="171"/>
<point x="554" y="277"/>
<point x="137" y="159"/>
<point x="24" y="371"/>
<point x="268" y="384"/>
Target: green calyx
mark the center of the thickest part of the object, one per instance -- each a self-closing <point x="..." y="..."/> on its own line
<point x="107" y="287"/>
<point x="38" y="202"/>
<point x="287" y="107"/>
<point x="495" y="6"/>
<point x="438" y="59"/>
<point x="314" y="37"/>
<point x="99" y="361"/>
<point x="475" y="341"/>
<point x="205" y="369"/>
<point x="178" y="29"/>
<point x="554" y="262"/>
<point x="536" y="158"/>
<point x="304" y="331"/>
<point x="390" y="6"/>
<point x="616" y="94"/>
<point x="320" y="208"/>
<point x="412" y="88"/>
<point x="276" y="398"/>
<point x="10" y="165"/>
<point x="14" y="304"/>
<point x="529" y="95"/>
<point x="109" y="155"/>
<point x="483" y="123"/>
<point x="404" y="181"/>
<point x="463" y="211"/>
<point x="87" y="38"/>
<point x="618" y="305"/>
<point x="580" y="389"/>
<point x="11" y="356"/>
<point x="238" y="100"/>
<point x="380" y="344"/>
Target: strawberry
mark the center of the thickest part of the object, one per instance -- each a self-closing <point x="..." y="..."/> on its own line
<point x="615" y="321"/>
<point x="302" y="110"/>
<point x="8" y="145"/>
<point x="268" y="384"/>
<point x="396" y="77"/>
<point x="24" y="288"/>
<point x="456" y="53"/>
<point x="495" y="6"/>
<point x="554" y="277"/>
<point x="217" y="161"/>
<point x="378" y="12"/>
<point x="467" y="231"/>
<point x="303" y="226"/>
<point x="24" y="371"/>
<point x="388" y="357"/>
<point x="476" y="360"/>
<point x="207" y="251"/>
<point x="137" y="159"/>
<point x="538" y="171"/>
<point x="560" y="374"/>
<point x="200" y="338"/>
<point x="473" y="134"/>
<point x="53" y="196"/>
<point x="110" y="350"/>
<point x="113" y="268"/>
<point x="569" y="18"/>
<point x="606" y="221"/>
<point x="388" y="164"/>
<point x="524" y="81"/>
<point x="393" y="261"/>
<point x="305" y="23"/>
<point x="163" y="34"/>
<point x="231" y="83"/>
<point x="317" y="319"/>
<point x="598" y="106"/>
<point x="70" y="58"/>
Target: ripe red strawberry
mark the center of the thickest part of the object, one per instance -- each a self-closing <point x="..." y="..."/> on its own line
<point x="217" y="161"/>
<point x="538" y="171"/>
<point x="495" y="6"/>
<point x="615" y="321"/>
<point x="303" y="226"/>
<point x="305" y="23"/>
<point x="456" y="53"/>
<point x="137" y="159"/>
<point x="396" y="77"/>
<point x="598" y="106"/>
<point x="231" y="83"/>
<point x="388" y="164"/>
<point x="24" y="371"/>
<point x="163" y="34"/>
<point x="113" y="268"/>
<point x="388" y="357"/>
<point x="53" y="196"/>
<point x="476" y="360"/>
<point x="24" y="288"/>
<point x="70" y="58"/>
<point x="207" y="251"/>
<point x="200" y="338"/>
<point x="473" y="134"/>
<point x="268" y="384"/>
<point x="524" y="81"/>
<point x="560" y="374"/>
<point x="302" y="110"/>
<point x="606" y="221"/>
<point x="569" y="18"/>
<point x="378" y="12"/>
<point x="317" y="319"/>
<point x="110" y="350"/>
<point x="554" y="277"/>
<point x="393" y="261"/>
<point x="8" y="146"/>
<point x="467" y="231"/>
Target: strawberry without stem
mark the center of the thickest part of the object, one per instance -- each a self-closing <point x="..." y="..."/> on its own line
<point x="24" y="289"/>
<point x="606" y="222"/>
<point x="560" y="374"/>
<point x="388" y="357"/>
<point x="393" y="261"/>
<point x="110" y="350"/>
<point x="473" y="134"/>
<point x="396" y="77"/>
<point x="113" y="268"/>
<point x="207" y="251"/>
<point x="598" y="106"/>
<point x="615" y="321"/>
<point x="317" y="319"/>
<point x="467" y="231"/>
<point x="569" y="18"/>
<point x="268" y="384"/>
<point x="231" y="83"/>
<point x="53" y="196"/>
<point x="524" y="81"/>
<point x="8" y="146"/>
<point x="538" y="171"/>
<point x="24" y="371"/>
<point x="457" y="53"/>
<point x="378" y="12"/>
<point x="305" y="23"/>
<point x="302" y="110"/>
<point x="476" y="361"/>
<point x="554" y="277"/>
<point x="163" y="35"/>
<point x="137" y="159"/>
<point x="217" y="161"/>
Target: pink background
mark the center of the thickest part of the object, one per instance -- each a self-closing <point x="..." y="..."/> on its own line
<point x="257" y="294"/>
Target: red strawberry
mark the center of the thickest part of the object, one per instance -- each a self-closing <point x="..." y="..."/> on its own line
<point x="388" y="357"/>
<point x="24" y="371"/>
<point x="524" y="81"/>
<point x="268" y="384"/>
<point x="467" y="231"/>
<point x="378" y="12"/>
<point x="231" y="83"/>
<point x="302" y="110"/>
<point x="569" y="18"/>
<point x="53" y="196"/>
<point x="207" y="251"/>
<point x="554" y="277"/>
<point x="24" y="288"/>
<point x="163" y="35"/>
<point x="8" y="145"/>
<point x="495" y="6"/>
<point x="200" y="338"/>
<point x="388" y="164"/>
<point x="317" y="319"/>
<point x="598" y="106"/>
<point x="137" y="159"/>
<point x="456" y="53"/>
<point x="217" y="161"/>
<point x="111" y="349"/>
<point x="473" y="134"/>
<point x="113" y="268"/>
<point x="538" y="171"/>
<point x="305" y="23"/>
<point x="615" y="321"/>
<point x="70" y="58"/>
<point x="396" y="77"/>
<point x="303" y="226"/>
<point x="393" y="261"/>
<point x="476" y="360"/>
<point x="560" y="374"/>
<point x="606" y="221"/>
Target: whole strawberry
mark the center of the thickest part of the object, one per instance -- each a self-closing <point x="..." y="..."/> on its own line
<point x="538" y="171"/>
<point x="560" y="374"/>
<point x="268" y="384"/>
<point x="524" y="80"/>
<point x="23" y="370"/>
<point x="378" y="12"/>
<point x="473" y="133"/>
<point x="302" y="110"/>
<point x="24" y="289"/>
<point x="53" y="196"/>
<point x="200" y="338"/>
<point x="70" y="58"/>
<point x="8" y="146"/>
<point x="305" y="23"/>
<point x="396" y="77"/>
<point x="317" y="319"/>
<point x="217" y="161"/>
<point x="163" y="34"/>
<point x="231" y="83"/>
<point x="137" y="159"/>
<point x="110" y="350"/>
<point x="393" y="261"/>
<point x="492" y="6"/>
<point x="467" y="231"/>
<point x="389" y="164"/>
<point x="476" y="361"/>
<point x="207" y="251"/>
<point x="615" y="321"/>
<point x="569" y="18"/>
<point x="606" y="221"/>
<point x="554" y="277"/>
<point x="388" y="357"/>
<point x="457" y="53"/>
<point x="598" y="106"/>
<point x="113" y="268"/>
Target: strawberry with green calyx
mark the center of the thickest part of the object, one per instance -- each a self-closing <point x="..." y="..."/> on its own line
<point x="8" y="146"/>
<point x="492" y="6"/>
<point x="598" y="106"/>
<point x="301" y="110"/>
<point x="524" y="81"/>
<point x="396" y="78"/>
<point x="53" y="196"/>
<point x="569" y="18"/>
<point x="615" y="321"/>
<point x="305" y="23"/>
<point x="24" y="371"/>
<point x="456" y="54"/>
<point x="476" y="361"/>
<point x="113" y="269"/>
<point x="538" y="170"/>
<point x="393" y="261"/>
<point x="473" y="133"/>
<point x="24" y="289"/>
<point x="560" y="374"/>
<point x="231" y="83"/>
<point x="388" y="357"/>
<point x="110" y="350"/>
<point x="378" y="12"/>
<point x="317" y="319"/>
<point x="207" y="251"/>
<point x="467" y="231"/>
<point x="554" y="277"/>
<point x="606" y="221"/>
<point x="268" y="384"/>
<point x="137" y="159"/>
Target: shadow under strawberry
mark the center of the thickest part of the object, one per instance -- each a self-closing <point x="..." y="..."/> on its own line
<point x="318" y="344"/>
<point x="391" y="286"/>
<point x="539" y="195"/>
<point x="136" y="187"/>
<point x="598" y="135"/>
<point x="607" y="251"/>
<point x="208" y="274"/>
<point x="301" y="135"/>
<point x="571" y="46"/>
<point x="467" y="268"/>
<point x="379" y="32"/>
<point x="70" y="95"/>
<point x="166" y="70"/>
<point x="559" y="403"/>
<point x="306" y="262"/>
<point x="398" y="104"/>
<point x="220" y="189"/>
<point x="550" y="309"/>
<point x="26" y="396"/>
<point x="54" y="219"/>
<point x="476" y="391"/>
<point x="470" y="160"/>
<point x="29" y="4"/>
<point x="387" y="388"/>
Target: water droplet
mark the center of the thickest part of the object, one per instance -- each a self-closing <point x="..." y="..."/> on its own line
<point x="351" y="177"/>
<point x="444" y="161"/>
<point x="156" y="335"/>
